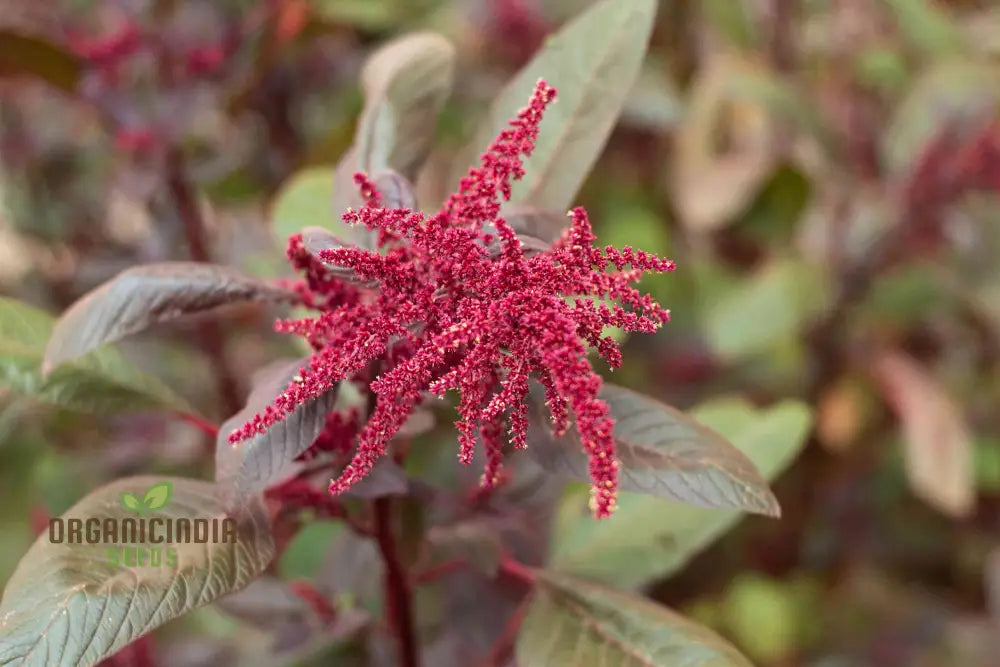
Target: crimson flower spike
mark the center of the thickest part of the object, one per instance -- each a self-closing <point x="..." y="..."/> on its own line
<point x="484" y="323"/>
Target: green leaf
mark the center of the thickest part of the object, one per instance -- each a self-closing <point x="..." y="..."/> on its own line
<point x="145" y="295"/>
<point x="662" y="452"/>
<point x="575" y="622"/>
<point x="29" y="56"/>
<point x="766" y="309"/>
<point x="926" y="27"/>
<point x="648" y="537"/>
<point x="593" y="61"/>
<point x="103" y="381"/>
<point x="74" y="604"/>
<point x="158" y="496"/>
<point x="310" y="198"/>
<point x="131" y="502"/>
<point x="257" y="463"/>
<point x="23" y="332"/>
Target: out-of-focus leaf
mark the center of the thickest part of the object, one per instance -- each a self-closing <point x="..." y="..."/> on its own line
<point x="73" y="604"/>
<point x="265" y="602"/>
<point x="475" y="542"/>
<point x="593" y="61"/>
<point x="572" y="621"/>
<point x="986" y="456"/>
<point x="840" y="415"/>
<point x="938" y="444"/>
<point x="406" y="82"/>
<point x="654" y="102"/>
<point x="776" y="213"/>
<point x="265" y="459"/>
<point x="761" y="614"/>
<point x="309" y="199"/>
<point x="385" y="479"/>
<point x="927" y="27"/>
<point x="767" y="309"/>
<point x="101" y="382"/>
<point x="28" y="56"/>
<point x="733" y="20"/>
<point x="948" y="92"/>
<point x="710" y="188"/>
<point x="23" y="332"/>
<point x="146" y="295"/>
<point x="662" y="452"/>
<point x="364" y="14"/>
<point x="304" y="556"/>
<point x="650" y="537"/>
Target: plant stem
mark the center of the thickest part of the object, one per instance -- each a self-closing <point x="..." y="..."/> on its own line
<point x="189" y="212"/>
<point x="503" y="648"/>
<point x="200" y="423"/>
<point x="517" y="570"/>
<point x="399" y="598"/>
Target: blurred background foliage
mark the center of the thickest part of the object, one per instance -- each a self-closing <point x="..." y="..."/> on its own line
<point x="824" y="172"/>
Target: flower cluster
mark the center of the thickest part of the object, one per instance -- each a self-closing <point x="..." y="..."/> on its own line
<point x="460" y="305"/>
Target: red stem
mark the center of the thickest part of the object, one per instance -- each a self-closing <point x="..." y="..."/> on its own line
<point x="435" y="572"/>
<point x="399" y="596"/>
<point x="200" y="423"/>
<point x="503" y="648"/>
<point x="194" y="229"/>
<point x="517" y="570"/>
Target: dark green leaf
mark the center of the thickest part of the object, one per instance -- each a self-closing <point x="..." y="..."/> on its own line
<point x="28" y="56"/>
<point x="101" y="382"/>
<point x="649" y="537"/>
<point x="575" y="622"/>
<point x="662" y="452"/>
<point x="145" y="295"/>
<point x="593" y="61"/>
<point x="72" y="604"/>
<point x="257" y="463"/>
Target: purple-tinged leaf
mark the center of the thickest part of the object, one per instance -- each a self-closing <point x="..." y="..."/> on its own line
<point x="269" y="458"/>
<point x="385" y="479"/>
<point x="571" y="620"/>
<point x="477" y="542"/>
<point x="73" y="604"/>
<point x="317" y="239"/>
<point x="146" y="295"/>
<point x="662" y="452"/>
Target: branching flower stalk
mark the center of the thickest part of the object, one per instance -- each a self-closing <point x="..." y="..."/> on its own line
<point x="460" y="305"/>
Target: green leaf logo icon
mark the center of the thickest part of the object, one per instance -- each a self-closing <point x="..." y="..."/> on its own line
<point x="158" y="496"/>
<point x="129" y="501"/>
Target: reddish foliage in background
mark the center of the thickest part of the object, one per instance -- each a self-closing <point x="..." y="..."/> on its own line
<point x="451" y="314"/>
